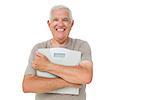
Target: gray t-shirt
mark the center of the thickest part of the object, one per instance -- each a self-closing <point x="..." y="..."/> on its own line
<point x="73" y="44"/>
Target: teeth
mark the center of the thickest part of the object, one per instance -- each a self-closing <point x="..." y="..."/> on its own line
<point x="60" y="30"/>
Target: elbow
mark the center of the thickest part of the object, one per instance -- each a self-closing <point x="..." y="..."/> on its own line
<point x="25" y="87"/>
<point x="25" y="90"/>
<point x="87" y="79"/>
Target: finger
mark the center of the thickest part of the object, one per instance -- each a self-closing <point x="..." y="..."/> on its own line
<point x="37" y="57"/>
<point x="34" y="62"/>
<point x="39" y="54"/>
<point x="33" y="65"/>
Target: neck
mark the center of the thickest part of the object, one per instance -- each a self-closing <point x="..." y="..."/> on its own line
<point x="55" y="43"/>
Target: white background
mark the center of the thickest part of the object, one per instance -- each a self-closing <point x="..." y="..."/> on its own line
<point x="117" y="30"/>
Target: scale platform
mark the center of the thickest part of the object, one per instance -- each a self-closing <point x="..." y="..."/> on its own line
<point x="61" y="56"/>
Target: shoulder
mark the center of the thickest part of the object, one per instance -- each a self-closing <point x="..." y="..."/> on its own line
<point x="44" y="44"/>
<point x="80" y="43"/>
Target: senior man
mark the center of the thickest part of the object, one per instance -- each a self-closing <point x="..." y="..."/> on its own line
<point x="60" y="24"/>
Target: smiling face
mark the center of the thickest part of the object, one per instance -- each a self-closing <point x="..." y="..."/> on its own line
<point x="60" y="25"/>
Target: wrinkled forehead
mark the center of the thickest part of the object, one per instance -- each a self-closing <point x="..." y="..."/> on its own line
<point x="60" y="13"/>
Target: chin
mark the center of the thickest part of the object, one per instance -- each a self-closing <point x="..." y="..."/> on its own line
<point x="61" y="40"/>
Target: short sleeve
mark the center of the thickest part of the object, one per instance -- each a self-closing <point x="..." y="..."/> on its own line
<point x="29" y="69"/>
<point x="86" y="51"/>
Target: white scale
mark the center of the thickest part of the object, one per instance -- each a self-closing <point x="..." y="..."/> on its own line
<point x="61" y="56"/>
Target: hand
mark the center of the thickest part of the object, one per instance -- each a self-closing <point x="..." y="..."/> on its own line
<point x="40" y="62"/>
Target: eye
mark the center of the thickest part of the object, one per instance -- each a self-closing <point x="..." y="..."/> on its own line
<point x="55" y="19"/>
<point x="66" y="19"/>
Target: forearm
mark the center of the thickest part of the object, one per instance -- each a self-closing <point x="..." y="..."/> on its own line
<point x="81" y="74"/>
<point x="34" y="84"/>
<point x="76" y="74"/>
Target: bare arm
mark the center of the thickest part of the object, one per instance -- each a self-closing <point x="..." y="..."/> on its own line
<point x="34" y="84"/>
<point x="81" y="74"/>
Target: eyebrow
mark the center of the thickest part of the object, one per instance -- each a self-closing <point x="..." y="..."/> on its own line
<point x="66" y="18"/>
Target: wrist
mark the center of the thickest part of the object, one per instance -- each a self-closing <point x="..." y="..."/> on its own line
<point x="50" y="66"/>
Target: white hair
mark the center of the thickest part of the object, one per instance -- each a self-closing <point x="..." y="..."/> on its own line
<point x="60" y="7"/>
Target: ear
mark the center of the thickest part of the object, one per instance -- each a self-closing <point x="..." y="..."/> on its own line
<point x="48" y="23"/>
<point x="72" y="23"/>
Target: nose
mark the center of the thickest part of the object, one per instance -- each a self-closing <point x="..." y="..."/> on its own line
<point x="60" y="23"/>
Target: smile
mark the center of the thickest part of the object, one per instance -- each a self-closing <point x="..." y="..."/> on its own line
<point x="60" y="29"/>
